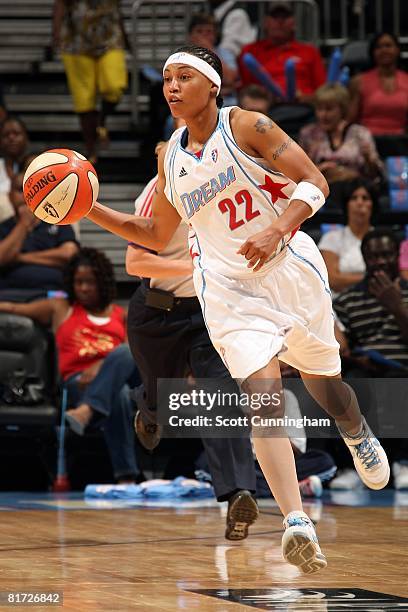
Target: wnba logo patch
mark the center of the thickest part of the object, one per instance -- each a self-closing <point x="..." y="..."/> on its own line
<point x="50" y="210"/>
<point x="214" y="155"/>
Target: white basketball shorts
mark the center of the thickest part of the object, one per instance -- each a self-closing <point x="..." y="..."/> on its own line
<point x="286" y="312"/>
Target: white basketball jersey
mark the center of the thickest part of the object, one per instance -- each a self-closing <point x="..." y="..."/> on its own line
<point x="226" y="196"/>
<point x="177" y="248"/>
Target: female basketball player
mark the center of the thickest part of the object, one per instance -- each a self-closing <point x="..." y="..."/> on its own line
<point x="245" y="188"/>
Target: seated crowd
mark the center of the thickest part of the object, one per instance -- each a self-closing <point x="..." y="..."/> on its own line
<point x="95" y="363"/>
<point x="46" y="274"/>
<point x="32" y="252"/>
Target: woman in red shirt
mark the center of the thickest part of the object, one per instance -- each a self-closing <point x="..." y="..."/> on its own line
<point x="380" y="96"/>
<point x="95" y="363"/>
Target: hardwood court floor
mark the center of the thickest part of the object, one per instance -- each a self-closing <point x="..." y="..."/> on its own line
<point x="153" y="558"/>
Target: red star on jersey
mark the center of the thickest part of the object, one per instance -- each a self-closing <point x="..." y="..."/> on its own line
<point x="275" y="189"/>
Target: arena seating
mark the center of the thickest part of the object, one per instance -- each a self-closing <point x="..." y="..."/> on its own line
<point x="35" y="88"/>
<point x="28" y="403"/>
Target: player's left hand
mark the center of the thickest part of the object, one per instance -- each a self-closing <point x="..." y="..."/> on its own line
<point x="259" y="247"/>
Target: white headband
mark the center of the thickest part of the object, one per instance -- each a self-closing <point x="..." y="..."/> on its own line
<point x="198" y="64"/>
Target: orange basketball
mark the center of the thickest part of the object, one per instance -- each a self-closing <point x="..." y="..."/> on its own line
<point x="60" y="186"/>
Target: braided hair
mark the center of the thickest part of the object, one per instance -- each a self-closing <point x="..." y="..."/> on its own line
<point x="101" y="267"/>
<point x="208" y="56"/>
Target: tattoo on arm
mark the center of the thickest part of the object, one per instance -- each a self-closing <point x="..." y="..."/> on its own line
<point x="282" y="148"/>
<point x="263" y="124"/>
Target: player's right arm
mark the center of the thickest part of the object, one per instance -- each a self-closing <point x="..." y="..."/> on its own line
<point x="154" y="232"/>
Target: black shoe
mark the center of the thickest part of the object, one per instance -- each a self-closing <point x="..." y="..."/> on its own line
<point x="242" y="512"/>
<point x="148" y="433"/>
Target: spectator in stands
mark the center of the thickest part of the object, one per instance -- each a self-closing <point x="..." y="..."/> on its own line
<point x="94" y="360"/>
<point x="32" y="252"/>
<point x="379" y="97"/>
<point x="234" y="25"/>
<point x="374" y="312"/>
<point x="92" y="39"/>
<point x="202" y="32"/>
<point x="341" y="248"/>
<point x="278" y="46"/>
<point x="14" y="148"/>
<point x="374" y="341"/>
<point x="254" y="98"/>
<point x="342" y="151"/>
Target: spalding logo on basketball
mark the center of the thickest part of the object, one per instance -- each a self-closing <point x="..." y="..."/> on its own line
<point x="60" y="186"/>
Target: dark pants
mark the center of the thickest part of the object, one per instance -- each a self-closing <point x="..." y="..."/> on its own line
<point x="109" y="396"/>
<point x="171" y="345"/>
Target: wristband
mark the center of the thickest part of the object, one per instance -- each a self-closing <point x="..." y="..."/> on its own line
<point x="309" y="193"/>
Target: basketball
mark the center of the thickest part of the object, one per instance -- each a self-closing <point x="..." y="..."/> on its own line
<point x="60" y="186"/>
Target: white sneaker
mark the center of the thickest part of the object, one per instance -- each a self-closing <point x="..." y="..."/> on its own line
<point x="300" y="546"/>
<point x="346" y="480"/>
<point x="369" y="458"/>
<point x="400" y="473"/>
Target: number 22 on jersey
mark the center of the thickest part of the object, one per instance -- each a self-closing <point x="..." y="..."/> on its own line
<point x="229" y="207"/>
